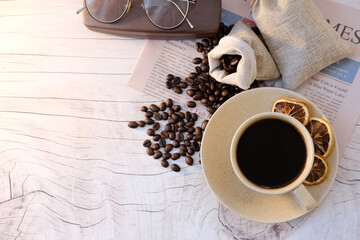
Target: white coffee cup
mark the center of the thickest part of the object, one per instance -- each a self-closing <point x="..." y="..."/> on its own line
<point x="301" y="194"/>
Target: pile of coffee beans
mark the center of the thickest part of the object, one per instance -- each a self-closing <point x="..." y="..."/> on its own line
<point x="228" y="63"/>
<point x="179" y="137"/>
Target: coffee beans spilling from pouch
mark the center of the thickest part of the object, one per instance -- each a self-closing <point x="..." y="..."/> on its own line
<point x="200" y="85"/>
<point x="229" y="63"/>
<point x="177" y="138"/>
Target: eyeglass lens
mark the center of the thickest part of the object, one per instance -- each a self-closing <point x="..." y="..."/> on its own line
<point x="166" y="13"/>
<point x="106" y="10"/>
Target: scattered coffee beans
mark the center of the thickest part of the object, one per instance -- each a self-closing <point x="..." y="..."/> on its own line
<point x="179" y="129"/>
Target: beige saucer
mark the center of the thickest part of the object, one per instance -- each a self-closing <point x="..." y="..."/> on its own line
<point x="216" y="164"/>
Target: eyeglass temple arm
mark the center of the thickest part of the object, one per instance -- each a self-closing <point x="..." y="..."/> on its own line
<point x="187" y="20"/>
<point x="80" y="10"/>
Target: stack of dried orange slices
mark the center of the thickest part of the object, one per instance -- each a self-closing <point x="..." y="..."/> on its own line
<point x="320" y="131"/>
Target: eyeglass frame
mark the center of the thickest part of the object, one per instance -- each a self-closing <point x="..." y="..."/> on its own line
<point x="127" y="9"/>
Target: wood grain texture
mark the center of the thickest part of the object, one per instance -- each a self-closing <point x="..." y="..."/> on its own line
<point x="70" y="168"/>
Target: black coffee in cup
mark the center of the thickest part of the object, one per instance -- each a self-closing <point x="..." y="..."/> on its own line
<point x="271" y="153"/>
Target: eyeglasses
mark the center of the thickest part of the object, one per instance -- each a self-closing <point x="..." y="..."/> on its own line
<point x="164" y="14"/>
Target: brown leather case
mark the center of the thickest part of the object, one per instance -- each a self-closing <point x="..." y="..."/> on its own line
<point x="204" y="15"/>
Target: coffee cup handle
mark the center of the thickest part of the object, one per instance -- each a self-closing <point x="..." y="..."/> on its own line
<point x="303" y="197"/>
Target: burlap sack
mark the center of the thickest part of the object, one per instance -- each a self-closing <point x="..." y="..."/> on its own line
<point x="299" y="38"/>
<point x="256" y="61"/>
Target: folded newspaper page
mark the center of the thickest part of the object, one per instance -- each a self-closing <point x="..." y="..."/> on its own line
<point x="335" y="89"/>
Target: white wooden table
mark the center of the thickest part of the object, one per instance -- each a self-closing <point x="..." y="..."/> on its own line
<point x="70" y="168"/>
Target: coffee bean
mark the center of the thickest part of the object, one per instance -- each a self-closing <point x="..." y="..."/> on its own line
<point x="147" y="143"/>
<point x="169" y="77"/>
<point x="194" y="116"/>
<point x="144" y="108"/>
<point x="189" y="160"/>
<point x="133" y="124"/>
<point x="150" y="132"/>
<point x="197" y="96"/>
<point x="156" y="126"/>
<point x="164" y="134"/>
<point x="175" y="116"/>
<point x="154" y="108"/>
<point x="197" y="60"/>
<point x="168" y="85"/>
<point x="192" y="75"/>
<point x="197" y="137"/>
<point x="166" y="155"/>
<point x="182" y="153"/>
<point x="182" y="129"/>
<point x="205" y="43"/>
<point x="164" y="163"/>
<point x="175" y="156"/>
<point x="162" y="142"/>
<point x="187" y="143"/>
<point x="189" y="81"/>
<point x="141" y="123"/>
<point x="168" y="147"/>
<point x="210" y="109"/>
<point x="172" y="120"/>
<point x="181" y="115"/>
<point x="177" y="90"/>
<point x="190" y="151"/>
<point x="195" y="146"/>
<point x="157" y="155"/>
<point x="199" y="47"/>
<point x="191" y="130"/>
<point x="149" y="114"/>
<point x="167" y="127"/>
<point x="181" y="123"/>
<point x="177" y="108"/>
<point x="170" y="111"/>
<point x="169" y="102"/>
<point x="156" y="146"/>
<point x="175" y="167"/>
<point x="176" y="143"/>
<point x="150" y="151"/>
<point x="180" y="137"/>
<point x="162" y="106"/>
<point x="183" y="147"/>
<point x="190" y="124"/>
<point x="204" y="124"/>
<point x="183" y="85"/>
<point x="149" y="121"/>
<point x="188" y="116"/>
<point x="198" y="70"/>
<point x="176" y="81"/>
<point x="198" y="131"/>
<point x="190" y="136"/>
<point x="157" y="116"/>
<point x="165" y="116"/>
<point x="156" y="137"/>
<point x="172" y="135"/>
<point x="191" y="104"/>
<point x="205" y="61"/>
<point x="190" y="92"/>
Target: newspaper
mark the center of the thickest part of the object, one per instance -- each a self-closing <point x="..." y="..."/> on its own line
<point x="335" y="89"/>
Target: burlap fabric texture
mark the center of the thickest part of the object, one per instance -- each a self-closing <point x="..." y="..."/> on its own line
<point x="256" y="61"/>
<point x="299" y="38"/>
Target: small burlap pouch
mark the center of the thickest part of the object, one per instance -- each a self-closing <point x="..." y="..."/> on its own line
<point x="299" y="38"/>
<point x="256" y="61"/>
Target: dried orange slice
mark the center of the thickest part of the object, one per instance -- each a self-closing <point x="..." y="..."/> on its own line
<point x="322" y="135"/>
<point x="319" y="171"/>
<point x="294" y="108"/>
